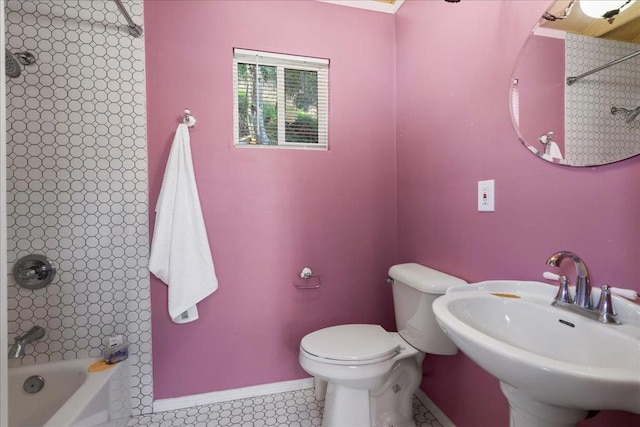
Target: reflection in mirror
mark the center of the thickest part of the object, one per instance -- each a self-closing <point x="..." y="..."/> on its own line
<point x="595" y="119"/>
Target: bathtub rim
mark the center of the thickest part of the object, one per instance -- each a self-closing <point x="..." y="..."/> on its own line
<point x="80" y="399"/>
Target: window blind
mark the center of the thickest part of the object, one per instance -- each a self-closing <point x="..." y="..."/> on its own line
<point x="280" y="99"/>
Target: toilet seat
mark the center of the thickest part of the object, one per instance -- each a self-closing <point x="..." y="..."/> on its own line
<point x="351" y="344"/>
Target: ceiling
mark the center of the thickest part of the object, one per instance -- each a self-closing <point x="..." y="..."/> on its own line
<point x="625" y="26"/>
<point x="385" y="6"/>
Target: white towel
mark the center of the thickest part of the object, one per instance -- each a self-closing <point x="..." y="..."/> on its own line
<point x="180" y="254"/>
<point x="553" y="150"/>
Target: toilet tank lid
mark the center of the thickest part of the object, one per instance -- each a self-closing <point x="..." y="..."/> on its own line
<point x="424" y="279"/>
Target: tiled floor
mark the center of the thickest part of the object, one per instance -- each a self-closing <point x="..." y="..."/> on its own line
<point x="292" y="409"/>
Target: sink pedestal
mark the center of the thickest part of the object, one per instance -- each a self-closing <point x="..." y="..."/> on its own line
<point x="527" y="412"/>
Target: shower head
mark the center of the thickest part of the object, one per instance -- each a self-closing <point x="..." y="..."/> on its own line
<point x="11" y="64"/>
<point x="13" y="61"/>
<point x="629" y="115"/>
<point x="25" y="58"/>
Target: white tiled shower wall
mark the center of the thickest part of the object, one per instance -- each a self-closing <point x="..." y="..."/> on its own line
<point x="77" y="181"/>
<point x="592" y="134"/>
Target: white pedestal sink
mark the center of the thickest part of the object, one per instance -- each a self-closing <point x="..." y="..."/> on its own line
<point x="553" y="365"/>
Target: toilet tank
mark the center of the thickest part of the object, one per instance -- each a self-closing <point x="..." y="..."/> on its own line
<point x="415" y="287"/>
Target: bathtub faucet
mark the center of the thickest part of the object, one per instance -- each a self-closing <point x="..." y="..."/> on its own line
<point x="17" y="349"/>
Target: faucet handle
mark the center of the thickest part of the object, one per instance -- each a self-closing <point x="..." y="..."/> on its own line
<point x="605" y="306"/>
<point x="563" y="294"/>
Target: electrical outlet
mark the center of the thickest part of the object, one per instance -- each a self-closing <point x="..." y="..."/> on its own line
<point x="486" y="196"/>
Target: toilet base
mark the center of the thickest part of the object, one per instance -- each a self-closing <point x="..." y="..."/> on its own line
<point x="346" y="407"/>
<point x="388" y="405"/>
<point x="320" y="388"/>
<point x="392" y="404"/>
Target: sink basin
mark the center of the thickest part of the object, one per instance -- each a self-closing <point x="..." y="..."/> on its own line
<point x="546" y="354"/>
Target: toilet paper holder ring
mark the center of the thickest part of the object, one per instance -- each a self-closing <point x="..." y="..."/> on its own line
<point x="307" y="274"/>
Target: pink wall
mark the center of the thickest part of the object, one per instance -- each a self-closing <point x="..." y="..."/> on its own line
<point x="541" y="81"/>
<point x="453" y="63"/>
<point x="271" y="212"/>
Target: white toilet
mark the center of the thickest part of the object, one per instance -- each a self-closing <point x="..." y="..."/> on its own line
<point x="371" y="374"/>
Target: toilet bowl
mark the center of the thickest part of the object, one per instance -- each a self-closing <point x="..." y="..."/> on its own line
<point x="371" y="374"/>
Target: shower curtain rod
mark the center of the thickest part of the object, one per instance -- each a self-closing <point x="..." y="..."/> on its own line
<point x="572" y="80"/>
<point x="134" y="29"/>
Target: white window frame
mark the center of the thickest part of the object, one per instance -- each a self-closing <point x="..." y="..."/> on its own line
<point x="292" y="62"/>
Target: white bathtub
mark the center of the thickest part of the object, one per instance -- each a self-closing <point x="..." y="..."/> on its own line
<point x="71" y="396"/>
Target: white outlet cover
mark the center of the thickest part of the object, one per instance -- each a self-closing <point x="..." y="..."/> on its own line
<point x="486" y="196"/>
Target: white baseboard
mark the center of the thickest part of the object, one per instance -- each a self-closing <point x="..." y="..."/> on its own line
<point x="182" y="402"/>
<point x="435" y="411"/>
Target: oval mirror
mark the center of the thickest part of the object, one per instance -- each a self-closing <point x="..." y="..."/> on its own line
<point x="575" y="91"/>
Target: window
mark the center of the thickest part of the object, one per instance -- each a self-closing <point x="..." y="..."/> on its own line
<point x="280" y="100"/>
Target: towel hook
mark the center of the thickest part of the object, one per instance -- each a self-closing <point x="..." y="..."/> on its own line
<point x="188" y="119"/>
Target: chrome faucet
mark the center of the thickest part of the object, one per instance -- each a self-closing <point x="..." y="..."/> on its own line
<point x="583" y="283"/>
<point x="581" y="303"/>
<point x="17" y="349"/>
